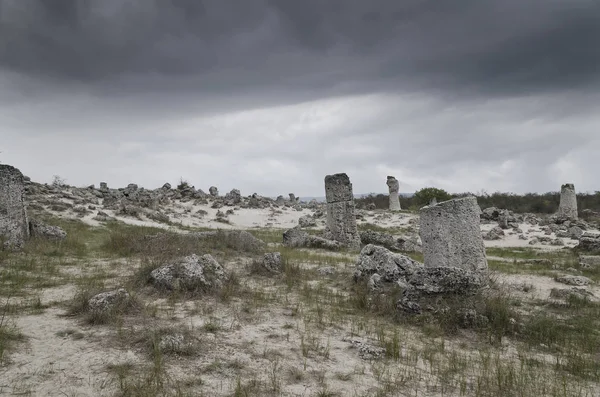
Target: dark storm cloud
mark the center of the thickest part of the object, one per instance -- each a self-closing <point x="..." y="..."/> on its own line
<point x="271" y="95"/>
<point x="298" y="49"/>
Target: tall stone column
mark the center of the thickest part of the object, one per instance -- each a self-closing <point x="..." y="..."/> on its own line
<point x="341" y="221"/>
<point x="567" y="208"/>
<point x="14" y="226"/>
<point x="451" y="235"/>
<point x="394" y="187"/>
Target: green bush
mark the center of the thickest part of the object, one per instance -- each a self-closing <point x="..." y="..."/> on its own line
<point x="424" y="196"/>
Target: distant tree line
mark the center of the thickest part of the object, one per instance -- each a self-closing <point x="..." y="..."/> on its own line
<point x="546" y="203"/>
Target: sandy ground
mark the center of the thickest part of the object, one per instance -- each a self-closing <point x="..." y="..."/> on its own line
<point x="64" y="357"/>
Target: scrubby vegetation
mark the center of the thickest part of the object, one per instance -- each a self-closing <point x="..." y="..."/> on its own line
<point x="546" y="203"/>
<point x="307" y="330"/>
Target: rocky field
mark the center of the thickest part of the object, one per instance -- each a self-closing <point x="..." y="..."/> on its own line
<point x="175" y="292"/>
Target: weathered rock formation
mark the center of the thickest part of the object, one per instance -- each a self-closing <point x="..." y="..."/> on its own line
<point x="341" y="221"/>
<point x="296" y="238"/>
<point x="213" y="191"/>
<point x="589" y="242"/>
<point x="390" y="242"/>
<point x="272" y="262"/>
<point x="385" y="270"/>
<point x="14" y="226"/>
<point x="106" y="301"/>
<point x="393" y="187"/>
<point x="307" y="221"/>
<point x="38" y="229"/>
<point x="233" y="197"/>
<point x="451" y="235"/>
<point x="567" y="209"/>
<point x="189" y="273"/>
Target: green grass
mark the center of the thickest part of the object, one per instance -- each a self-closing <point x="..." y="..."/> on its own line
<point x="9" y="334"/>
<point x="553" y="347"/>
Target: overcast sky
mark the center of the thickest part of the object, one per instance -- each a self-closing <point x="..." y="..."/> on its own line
<point x="270" y="96"/>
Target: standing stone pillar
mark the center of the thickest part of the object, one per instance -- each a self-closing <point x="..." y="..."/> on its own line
<point x="567" y="208"/>
<point x="14" y="226"/>
<point x="451" y="235"/>
<point x="341" y="221"/>
<point x="393" y="187"/>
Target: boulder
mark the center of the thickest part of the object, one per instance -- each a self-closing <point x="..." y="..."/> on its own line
<point x="383" y="269"/>
<point x="307" y="221"/>
<point x="495" y="234"/>
<point x="446" y="280"/>
<point x="589" y="261"/>
<point x="589" y="242"/>
<point x="575" y="232"/>
<point x="390" y="266"/>
<point x="233" y="197"/>
<point x="189" y="273"/>
<point x="272" y="262"/>
<point x="388" y="241"/>
<point x="106" y="301"/>
<point x="38" y="229"/>
<point x="573" y="280"/>
<point x="490" y="214"/>
<point x="565" y="293"/>
<point x="296" y="237"/>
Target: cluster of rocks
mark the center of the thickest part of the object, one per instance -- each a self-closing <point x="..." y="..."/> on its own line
<point x="565" y="224"/>
<point x="384" y="270"/>
<point x="152" y="204"/>
<point x="589" y="242"/>
<point x="15" y="226"/>
<point x="454" y="257"/>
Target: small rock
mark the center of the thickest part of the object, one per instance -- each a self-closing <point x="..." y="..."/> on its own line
<point x="574" y="280"/>
<point x="326" y="271"/>
<point x="307" y="221"/>
<point x="105" y="301"/>
<point x="272" y="262"/>
<point x="589" y="261"/>
<point x="50" y="232"/>
<point x="564" y="293"/>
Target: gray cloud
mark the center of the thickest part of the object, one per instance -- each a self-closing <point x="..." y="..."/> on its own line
<point x="270" y="95"/>
<point x="222" y="47"/>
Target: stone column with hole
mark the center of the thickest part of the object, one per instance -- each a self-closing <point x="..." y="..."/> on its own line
<point x="394" y="187"/>
<point x="341" y="221"/>
<point x="14" y="226"/>
<point x="567" y="209"/>
<point x="451" y="235"/>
